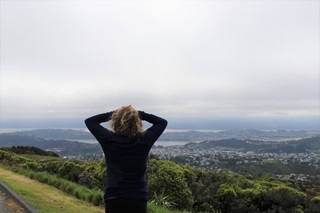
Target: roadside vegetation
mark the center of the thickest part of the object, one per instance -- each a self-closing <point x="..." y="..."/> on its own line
<point x="172" y="187"/>
<point x="43" y="197"/>
<point x="48" y="199"/>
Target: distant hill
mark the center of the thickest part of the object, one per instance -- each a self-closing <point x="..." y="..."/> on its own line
<point x="293" y="146"/>
<point x="275" y="135"/>
<point x="192" y="135"/>
<point x="50" y="140"/>
<point x="30" y="150"/>
<point x="69" y="134"/>
<point x="62" y="147"/>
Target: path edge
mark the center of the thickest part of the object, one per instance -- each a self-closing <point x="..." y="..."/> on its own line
<point x="18" y="199"/>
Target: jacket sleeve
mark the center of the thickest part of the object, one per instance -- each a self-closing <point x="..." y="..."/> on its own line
<point x="157" y="128"/>
<point x="94" y="125"/>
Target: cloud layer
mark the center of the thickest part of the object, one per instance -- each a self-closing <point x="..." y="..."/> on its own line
<point x="174" y="58"/>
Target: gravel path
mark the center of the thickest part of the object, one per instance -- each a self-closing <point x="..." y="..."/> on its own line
<point x="3" y="206"/>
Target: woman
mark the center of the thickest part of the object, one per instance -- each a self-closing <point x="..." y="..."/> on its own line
<point x="126" y="150"/>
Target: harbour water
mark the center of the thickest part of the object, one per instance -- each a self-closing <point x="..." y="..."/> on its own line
<point x="158" y="143"/>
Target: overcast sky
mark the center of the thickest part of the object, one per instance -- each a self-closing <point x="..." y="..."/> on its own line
<point x="73" y="59"/>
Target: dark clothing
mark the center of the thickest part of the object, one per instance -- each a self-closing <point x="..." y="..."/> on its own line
<point x="124" y="206"/>
<point x="126" y="158"/>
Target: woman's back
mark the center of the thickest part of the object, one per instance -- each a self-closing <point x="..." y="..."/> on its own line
<point x="126" y="150"/>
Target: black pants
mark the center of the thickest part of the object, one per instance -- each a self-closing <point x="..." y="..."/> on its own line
<point x="119" y="205"/>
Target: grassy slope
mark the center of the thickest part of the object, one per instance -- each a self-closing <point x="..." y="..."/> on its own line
<point x="47" y="199"/>
<point x="43" y="197"/>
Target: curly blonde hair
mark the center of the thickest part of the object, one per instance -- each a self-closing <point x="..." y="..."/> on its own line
<point x="126" y="121"/>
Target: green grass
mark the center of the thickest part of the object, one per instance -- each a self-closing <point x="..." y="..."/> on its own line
<point x="48" y="199"/>
<point x="152" y="208"/>
<point x="43" y="197"/>
<point x="40" y="158"/>
<point x="94" y="197"/>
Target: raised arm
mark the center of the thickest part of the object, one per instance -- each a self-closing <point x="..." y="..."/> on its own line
<point x="94" y="125"/>
<point x="157" y="128"/>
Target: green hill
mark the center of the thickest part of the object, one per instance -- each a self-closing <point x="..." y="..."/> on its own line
<point x="63" y="147"/>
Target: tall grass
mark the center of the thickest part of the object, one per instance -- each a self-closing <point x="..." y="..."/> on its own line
<point x="95" y="197"/>
<point x="153" y="208"/>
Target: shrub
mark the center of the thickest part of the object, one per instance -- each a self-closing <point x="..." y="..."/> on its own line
<point x="32" y="165"/>
<point x="97" y="199"/>
<point x="167" y="178"/>
<point x="53" y="166"/>
<point x="95" y="196"/>
<point x="70" y="171"/>
<point x="163" y="201"/>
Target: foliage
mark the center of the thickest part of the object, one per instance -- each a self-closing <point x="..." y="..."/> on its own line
<point x="163" y="200"/>
<point x="316" y="200"/>
<point x="9" y="158"/>
<point x="29" y="150"/>
<point x="35" y="166"/>
<point x="53" y="167"/>
<point x="167" y="178"/>
<point x="80" y="192"/>
<point x="70" y="171"/>
<point x="45" y="198"/>
<point x="174" y="186"/>
<point x="153" y="208"/>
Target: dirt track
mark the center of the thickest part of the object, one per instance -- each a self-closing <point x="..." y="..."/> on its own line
<point x="7" y="205"/>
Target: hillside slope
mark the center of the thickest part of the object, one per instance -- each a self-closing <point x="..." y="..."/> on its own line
<point x="43" y="197"/>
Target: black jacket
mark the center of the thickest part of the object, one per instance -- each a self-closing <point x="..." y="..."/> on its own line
<point x="126" y="158"/>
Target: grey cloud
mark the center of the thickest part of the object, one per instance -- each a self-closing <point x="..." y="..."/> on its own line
<point x="178" y="58"/>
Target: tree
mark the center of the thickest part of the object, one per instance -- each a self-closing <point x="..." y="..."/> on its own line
<point x="167" y="178"/>
<point x="226" y="196"/>
<point x="282" y="198"/>
<point x="53" y="166"/>
<point x="70" y="171"/>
